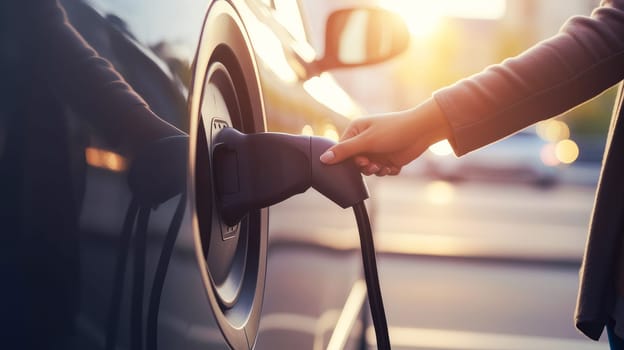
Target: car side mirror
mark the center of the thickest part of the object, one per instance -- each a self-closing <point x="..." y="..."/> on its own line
<point x="362" y="36"/>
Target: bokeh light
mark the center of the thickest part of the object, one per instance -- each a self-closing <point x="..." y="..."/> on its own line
<point x="548" y="155"/>
<point x="331" y="133"/>
<point x="307" y="130"/>
<point x="567" y="151"/>
<point x="553" y="130"/>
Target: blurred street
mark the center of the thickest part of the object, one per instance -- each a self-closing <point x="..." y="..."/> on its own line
<point x="416" y="215"/>
<point x="494" y="220"/>
<point x="471" y="265"/>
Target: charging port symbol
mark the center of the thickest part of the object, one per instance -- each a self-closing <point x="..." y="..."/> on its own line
<point x="229" y="183"/>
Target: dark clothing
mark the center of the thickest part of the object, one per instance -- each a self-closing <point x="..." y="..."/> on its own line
<point x="615" y="342"/>
<point x="47" y="67"/>
<point x="584" y="59"/>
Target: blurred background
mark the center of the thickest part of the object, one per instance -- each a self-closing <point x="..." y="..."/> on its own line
<point x="483" y="251"/>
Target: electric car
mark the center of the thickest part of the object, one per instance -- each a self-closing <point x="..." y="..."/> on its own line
<point x="103" y="266"/>
<point x="521" y="157"/>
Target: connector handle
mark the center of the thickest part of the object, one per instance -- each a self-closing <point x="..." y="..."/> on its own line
<point x="342" y="183"/>
<point x="253" y="171"/>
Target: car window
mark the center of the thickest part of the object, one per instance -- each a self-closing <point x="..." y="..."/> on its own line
<point x="287" y="12"/>
<point x="177" y="23"/>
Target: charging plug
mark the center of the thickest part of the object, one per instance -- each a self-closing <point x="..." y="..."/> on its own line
<point x="257" y="170"/>
<point x="254" y="171"/>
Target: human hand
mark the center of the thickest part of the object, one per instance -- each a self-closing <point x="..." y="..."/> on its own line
<point x="383" y="144"/>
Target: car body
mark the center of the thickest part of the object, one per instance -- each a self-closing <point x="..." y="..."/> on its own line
<point x="109" y="270"/>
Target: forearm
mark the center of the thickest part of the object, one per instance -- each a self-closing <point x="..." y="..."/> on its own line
<point x="580" y="62"/>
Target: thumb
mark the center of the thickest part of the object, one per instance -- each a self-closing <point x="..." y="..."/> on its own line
<point x="343" y="150"/>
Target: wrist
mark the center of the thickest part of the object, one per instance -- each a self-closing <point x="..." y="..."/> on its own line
<point x="430" y="122"/>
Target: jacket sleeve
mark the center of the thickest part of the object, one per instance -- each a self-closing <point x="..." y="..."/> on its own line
<point x="88" y="82"/>
<point x="584" y="59"/>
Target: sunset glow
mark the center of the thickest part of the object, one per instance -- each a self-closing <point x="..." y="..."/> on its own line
<point x="423" y="17"/>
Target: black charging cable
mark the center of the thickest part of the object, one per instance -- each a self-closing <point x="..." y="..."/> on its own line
<point x="155" y="176"/>
<point x="371" y="276"/>
<point x="141" y="214"/>
<point x="119" y="275"/>
<point x="161" y="273"/>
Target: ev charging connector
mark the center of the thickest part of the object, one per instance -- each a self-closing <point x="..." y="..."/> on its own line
<point x="253" y="171"/>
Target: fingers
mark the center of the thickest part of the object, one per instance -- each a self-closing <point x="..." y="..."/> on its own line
<point x="384" y="171"/>
<point x="361" y="161"/>
<point x="376" y="169"/>
<point x="351" y="144"/>
<point x="380" y="170"/>
<point x="341" y="151"/>
<point x="370" y="169"/>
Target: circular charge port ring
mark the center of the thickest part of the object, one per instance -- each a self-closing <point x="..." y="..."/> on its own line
<point x="225" y="92"/>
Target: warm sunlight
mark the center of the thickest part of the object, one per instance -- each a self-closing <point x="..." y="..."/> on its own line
<point x="423" y="16"/>
<point x="442" y="148"/>
<point x="326" y="90"/>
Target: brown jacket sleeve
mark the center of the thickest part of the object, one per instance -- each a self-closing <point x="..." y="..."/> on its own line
<point x="88" y="82"/>
<point x="584" y="59"/>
